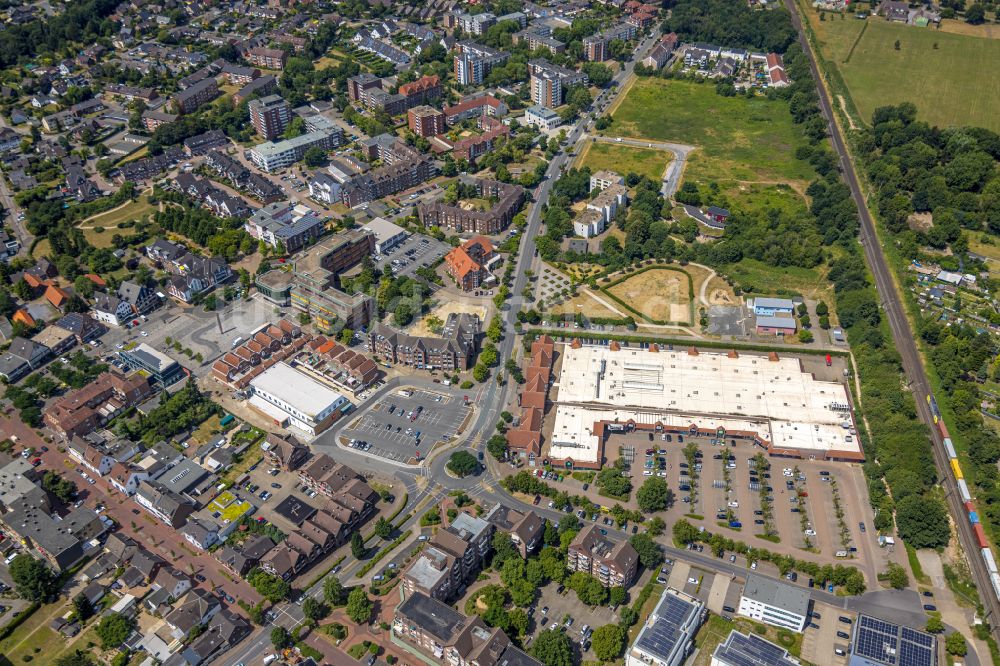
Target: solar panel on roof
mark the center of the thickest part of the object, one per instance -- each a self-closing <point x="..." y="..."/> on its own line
<point x="661" y="637"/>
<point x="886" y="643"/>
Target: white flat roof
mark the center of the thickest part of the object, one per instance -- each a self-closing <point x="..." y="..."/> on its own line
<point x="303" y="393"/>
<point x="788" y="407"/>
<point x="384" y="229"/>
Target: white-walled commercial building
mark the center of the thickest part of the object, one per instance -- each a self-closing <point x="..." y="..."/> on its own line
<point x="668" y="634"/>
<point x="295" y="399"/>
<point x="768" y="399"/>
<point x="773" y="602"/>
<point x="387" y="234"/>
<point x="542" y="117"/>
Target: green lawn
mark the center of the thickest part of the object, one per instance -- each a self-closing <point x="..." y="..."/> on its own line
<point x="130" y="212"/>
<point x="954" y="83"/>
<point x="740" y="139"/>
<point x="769" y="280"/>
<point x="624" y="159"/>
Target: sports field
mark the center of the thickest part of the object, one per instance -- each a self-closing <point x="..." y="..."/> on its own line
<point x="624" y="159"/>
<point x="953" y="79"/>
<point x="659" y="294"/>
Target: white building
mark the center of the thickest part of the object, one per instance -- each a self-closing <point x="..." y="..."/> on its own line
<point x="590" y="223"/>
<point x="604" y="179"/>
<point x="271" y="156"/>
<point x="387" y="234"/>
<point x="295" y="399"/>
<point x="542" y="117"/>
<point x="324" y="187"/>
<point x="607" y="202"/>
<point x="668" y="634"/>
<point x="773" y="602"/>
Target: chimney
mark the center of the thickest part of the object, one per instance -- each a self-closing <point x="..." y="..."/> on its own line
<point x="692" y="351"/>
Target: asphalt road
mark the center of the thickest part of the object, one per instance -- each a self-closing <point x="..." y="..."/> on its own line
<point x="903" y="335"/>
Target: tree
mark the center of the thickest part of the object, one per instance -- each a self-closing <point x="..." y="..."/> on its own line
<point x="618" y="596"/>
<point x="608" y="641"/>
<point x="654" y="495"/>
<point x="975" y="15"/>
<point x="280" y="638"/>
<point x="358" y="549"/>
<point x="934" y="624"/>
<point x="553" y="648"/>
<point x="403" y="314"/>
<point x="656" y="526"/>
<point x="34" y="580"/>
<point x="333" y="591"/>
<point x="314" y="610"/>
<point x="497" y="446"/>
<point x="383" y="528"/>
<point x="271" y="587"/>
<point x="82" y="607"/>
<point x="359" y="606"/>
<point x="922" y="522"/>
<point x="346" y="336"/>
<point x="896" y="575"/>
<point x="650" y="553"/>
<point x="314" y="157"/>
<point x="805" y="336"/>
<point x="114" y="629"/>
<point x="462" y="464"/>
<point x="955" y="644"/>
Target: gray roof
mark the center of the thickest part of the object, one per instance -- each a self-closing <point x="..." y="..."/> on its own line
<point x="773" y="592"/>
<point x="766" y="302"/>
<point x="776" y="322"/>
<point x="433" y="617"/>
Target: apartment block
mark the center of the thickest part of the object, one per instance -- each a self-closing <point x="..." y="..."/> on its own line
<point x="452" y="558"/>
<point x="454" y="350"/>
<point x="267" y="58"/>
<point x="271" y="156"/>
<point x="315" y="285"/>
<point x="437" y="633"/>
<point x="614" y="564"/>
<point x="426" y="121"/>
<point x="270" y="115"/>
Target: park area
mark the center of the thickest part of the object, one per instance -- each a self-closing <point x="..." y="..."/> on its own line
<point x="745" y="157"/>
<point x="659" y="295"/>
<point x="623" y="159"/>
<point x="101" y="228"/>
<point x="928" y="66"/>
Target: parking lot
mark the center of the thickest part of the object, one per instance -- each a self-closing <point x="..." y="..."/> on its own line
<point x="801" y="492"/>
<point x="405" y="425"/>
<point x="416" y="251"/>
<point x="565" y="610"/>
<point x="827" y="632"/>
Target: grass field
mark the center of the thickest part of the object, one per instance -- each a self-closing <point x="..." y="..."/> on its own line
<point x="112" y="218"/>
<point x="961" y="68"/>
<point x="770" y="280"/>
<point x="660" y="294"/>
<point x="584" y="304"/>
<point x="624" y="159"/>
<point x="740" y="139"/>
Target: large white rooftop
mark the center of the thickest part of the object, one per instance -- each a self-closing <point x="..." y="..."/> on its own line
<point x="295" y="389"/>
<point x="786" y="406"/>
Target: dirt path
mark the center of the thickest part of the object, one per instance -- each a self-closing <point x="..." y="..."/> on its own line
<point x="843" y="107"/>
<point x="952" y="614"/>
<point x="145" y="192"/>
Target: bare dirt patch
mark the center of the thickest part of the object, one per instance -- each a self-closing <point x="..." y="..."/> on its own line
<point x="921" y="222"/>
<point x="442" y="311"/>
<point x="660" y="294"/>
